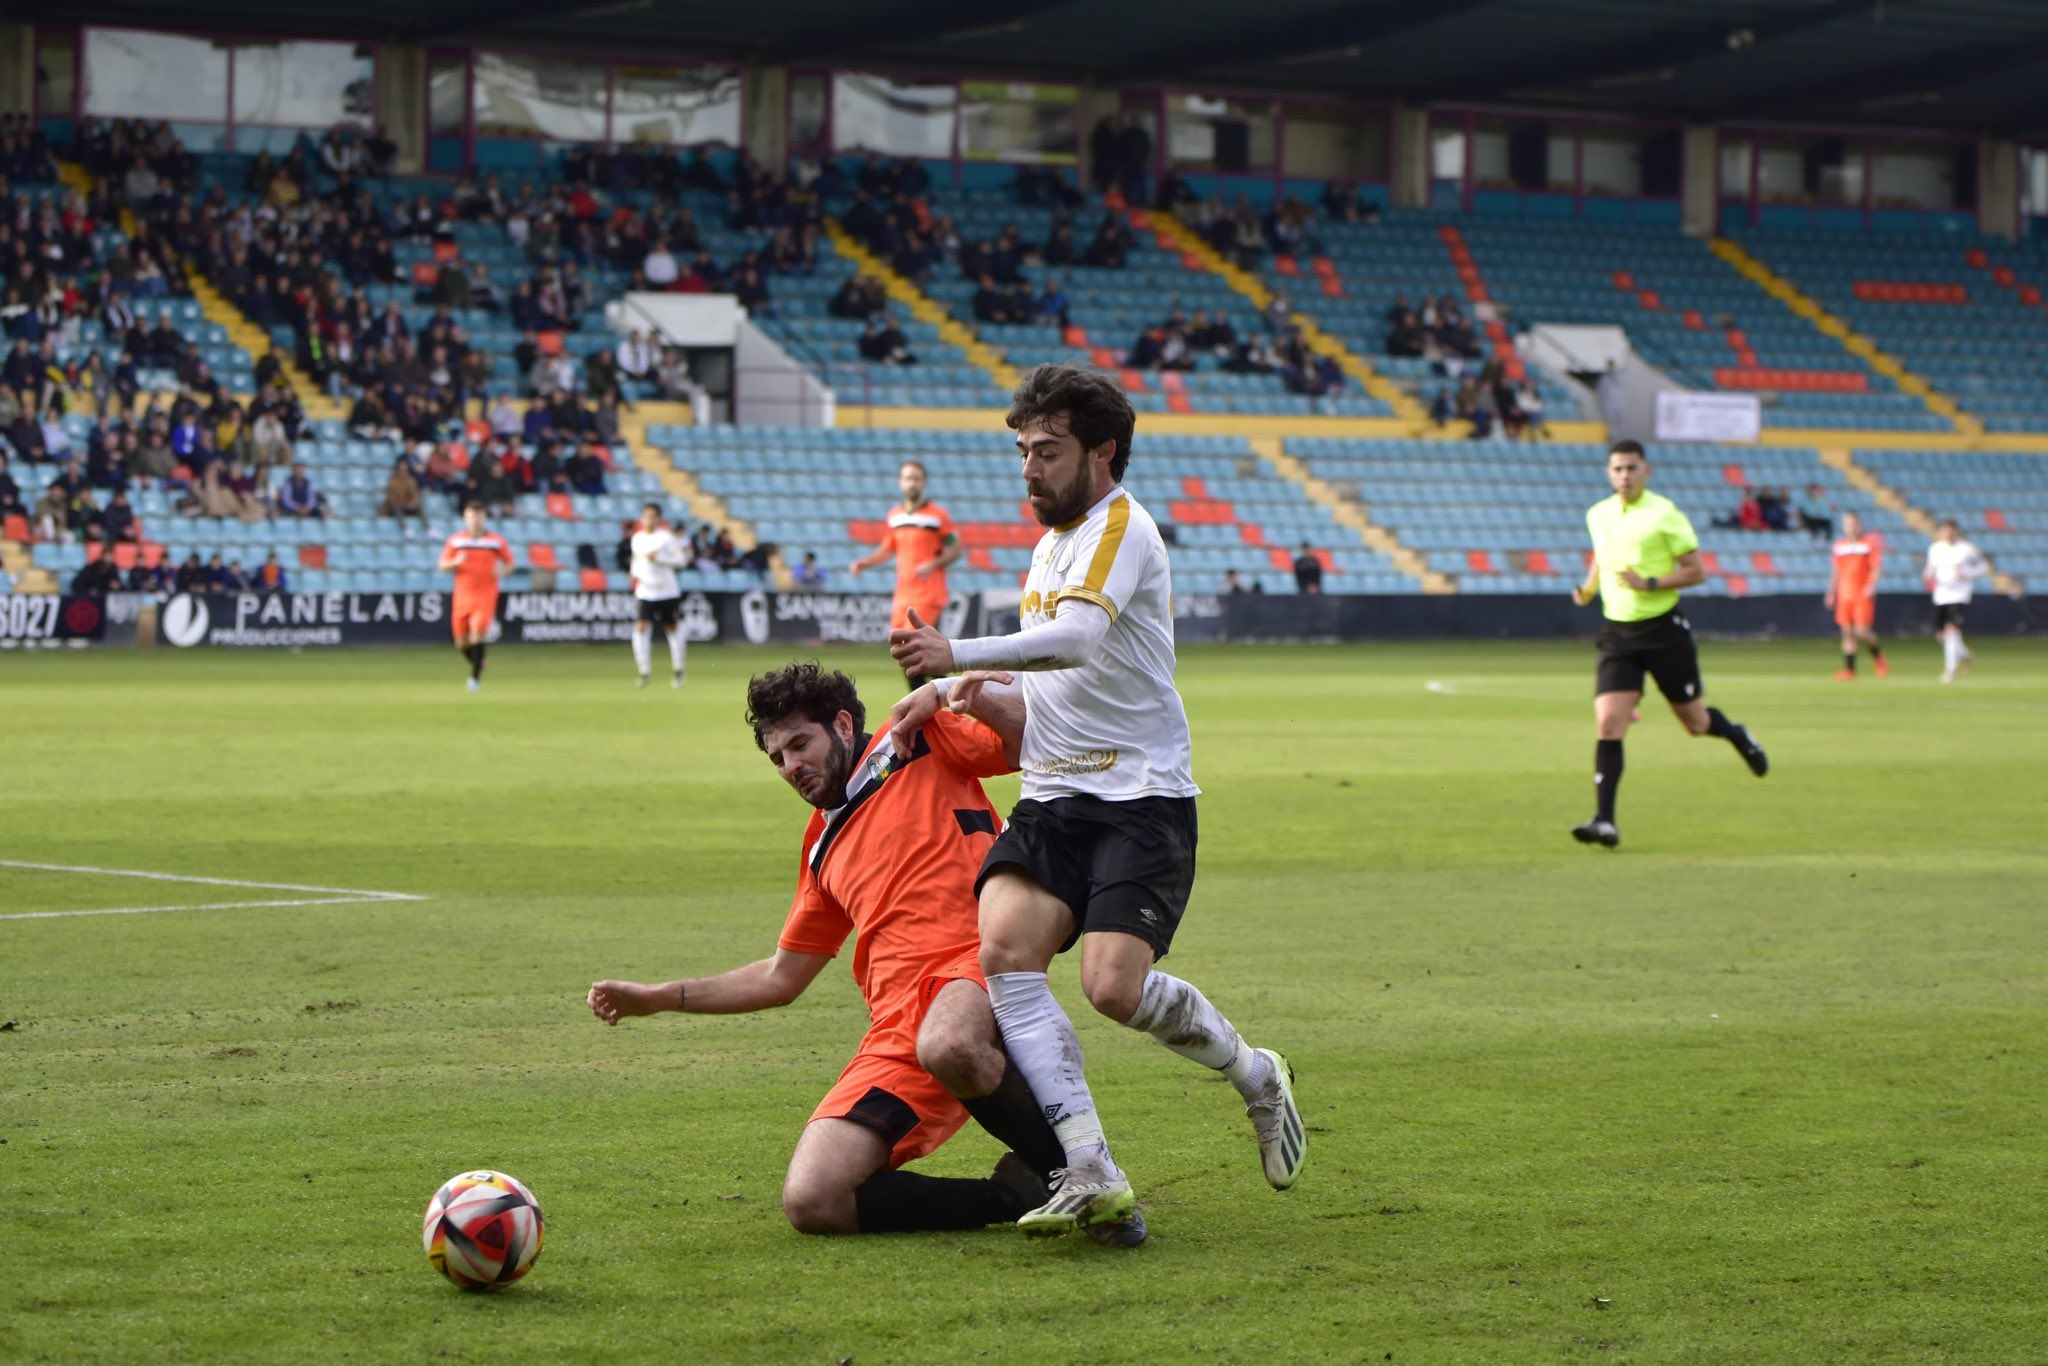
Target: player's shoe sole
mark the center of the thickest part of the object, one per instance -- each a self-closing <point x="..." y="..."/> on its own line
<point x="1845" y="676"/>
<point x="1123" y="1233"/>
<point x="1597" y="832"/>
<point x="1881" y="669"/>
<point x="1283" y="1143"/>
<point x="1077" y="1205"/>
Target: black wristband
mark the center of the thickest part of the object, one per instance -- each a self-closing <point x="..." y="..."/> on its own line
<point x="1652" y="581"/>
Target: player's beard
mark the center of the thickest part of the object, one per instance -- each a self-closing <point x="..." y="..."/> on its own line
<point x="838" y="769"/>
<point x="1064" y="504"/>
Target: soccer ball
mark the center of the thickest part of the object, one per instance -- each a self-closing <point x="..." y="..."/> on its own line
<point x="483" y="1230"/>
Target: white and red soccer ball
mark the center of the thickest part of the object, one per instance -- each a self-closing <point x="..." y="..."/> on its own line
<point x="483" y="1230"/>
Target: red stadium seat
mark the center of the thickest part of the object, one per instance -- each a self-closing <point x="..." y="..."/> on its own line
<point x="549" y="342"/>
<point x="1179" y="403"/>
<point x="126" y="553"/>
<point x="1734" y="476"/>
<point x="560" y="505"/>
<point x="593" y="581"/>
<point x="1762" y="563"/>
<point x="541" y="555"/>
<point x="1624" y="282"/>
<point x="312" y="556"/>
<point x="1104" y="358"/>
<point x="980" y="558"/>
<point x="153" y="554"/>
<point x="16" y="528"/>
<point x="1995" y="519"/>
<point x="1193" y="486"/>
<point x="1075" y="337"/>
<point x="1333" y="288"/>
<point x="425" y="274"/>
<point x="1738" y="587"/>
<point x="1173" y="382"/>
<point x="1251" y="533"/>
<point x="1324" y="266"/>
<point x="1284" y="265"/>
<point x="1480" y="562"/>
<point x="1539" y="562"/>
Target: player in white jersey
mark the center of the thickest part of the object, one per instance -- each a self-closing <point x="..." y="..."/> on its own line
<point x="657" y="554"/>
<point x="1101" y="848"/>
<point x="1952" y="569"/>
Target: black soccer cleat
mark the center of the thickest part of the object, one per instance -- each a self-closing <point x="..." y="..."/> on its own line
<point x="1597" y="831"/>
<point x="1752" y="753"/>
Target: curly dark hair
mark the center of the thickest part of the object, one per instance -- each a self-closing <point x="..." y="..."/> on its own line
<point x="1087" y="403"/>
<point x="801" y="691"/>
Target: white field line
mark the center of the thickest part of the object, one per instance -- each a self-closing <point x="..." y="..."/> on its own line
<point x="336" y="895"/>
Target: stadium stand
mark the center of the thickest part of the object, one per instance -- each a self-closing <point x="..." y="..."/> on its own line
<point x="457" y="327"/>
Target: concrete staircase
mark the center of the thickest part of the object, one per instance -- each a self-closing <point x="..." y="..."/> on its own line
<point x="1176" y="236"/>
<point x="923" y="307"/>
<point x="1353" y="513"/>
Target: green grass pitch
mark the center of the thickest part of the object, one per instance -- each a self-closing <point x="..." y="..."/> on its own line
<point x="1766" y="1084"/>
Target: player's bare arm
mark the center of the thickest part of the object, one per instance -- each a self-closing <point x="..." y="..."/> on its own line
<point x="449" y="562"/>
<point x="760" y="985"/>
<point x="1685" y="574"/>
<point x="1584" y="593"/>
<point x="865" y="562"/>
<point x="950" y="553"/>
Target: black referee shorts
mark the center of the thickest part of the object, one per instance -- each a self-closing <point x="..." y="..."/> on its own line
<point x="1661" y="647"/>
<point x="1125" y="866"/>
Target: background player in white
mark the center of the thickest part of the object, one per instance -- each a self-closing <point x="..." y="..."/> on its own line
<point x="657" y="554"/>
<point x="1952" y="569"/>
<point x="1101" y="849"/>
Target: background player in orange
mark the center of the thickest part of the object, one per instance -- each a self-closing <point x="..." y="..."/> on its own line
<point x="890" y="855"/>
<point x="478" y="557"/>
<point x="1852" y="593"/>
<point x="922" y="539"/>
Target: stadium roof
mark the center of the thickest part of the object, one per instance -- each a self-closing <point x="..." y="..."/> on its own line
<point x="1977" y="65"/>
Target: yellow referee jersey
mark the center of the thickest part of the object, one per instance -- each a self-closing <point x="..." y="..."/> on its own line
<point x="1647" y="536"/>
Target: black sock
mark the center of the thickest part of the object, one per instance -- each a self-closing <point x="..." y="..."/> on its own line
<point x="1718" y="724"/>
<point x="1849" y="660"/>
<point x="1013" y="1118"/>
<point x="476" y="661"/>
<point x="1606" y="776"/>
<point x="904" y="1202"/>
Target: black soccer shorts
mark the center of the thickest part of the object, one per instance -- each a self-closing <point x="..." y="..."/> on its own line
<point x="1127" y="866"/>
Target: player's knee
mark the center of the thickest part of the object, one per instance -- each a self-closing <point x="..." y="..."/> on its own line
<point x="812" y="1207"/>
<point x="1114" y="994"/>
<point x="960" y="1064"/>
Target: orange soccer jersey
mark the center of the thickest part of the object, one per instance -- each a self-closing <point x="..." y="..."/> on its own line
<point x="476" y="566"/>
<point x="895" y="866"/>
<point x="917" y="537"/>
<point x="1855" y="580"/>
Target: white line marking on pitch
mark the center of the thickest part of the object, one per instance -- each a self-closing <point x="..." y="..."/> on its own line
<point x="338" y="895"/>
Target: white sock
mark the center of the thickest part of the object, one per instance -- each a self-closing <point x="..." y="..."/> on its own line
<point x="1951" y="650"/>
<point x="676" y="646"/>
<point x="1179" y="1016"/>
<point x="641" y="651"/>
<point x="1042" y="1043"/>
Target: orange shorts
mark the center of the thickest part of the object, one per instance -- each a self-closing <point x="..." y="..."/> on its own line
<point x="1857" y="611"/>
<point x="928" y="606"/>
<point x="888" y="1091"/>
<point x="472" y="615"/>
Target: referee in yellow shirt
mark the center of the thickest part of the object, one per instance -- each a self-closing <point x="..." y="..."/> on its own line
<point x="1644" y="551"/>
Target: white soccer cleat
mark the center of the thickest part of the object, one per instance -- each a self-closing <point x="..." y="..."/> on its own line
<point x="1283" y="1143"/>
<point x="1095" y="1193"/>
<point x="641" y="682"/>
<point x="476" y="685"/>
<point x="675" y="680"/>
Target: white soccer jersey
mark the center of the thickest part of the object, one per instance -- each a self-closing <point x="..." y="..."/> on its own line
<point x="1954" y="568"/>
<point x="1113" y="728"/>
<point x="657" y="554"/>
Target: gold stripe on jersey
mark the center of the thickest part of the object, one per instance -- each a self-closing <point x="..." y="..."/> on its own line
<point x="1085" y="595"/>
<point x="1116" y="521"/>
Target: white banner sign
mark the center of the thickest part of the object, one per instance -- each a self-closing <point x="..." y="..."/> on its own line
<point x="1683" y="415"/>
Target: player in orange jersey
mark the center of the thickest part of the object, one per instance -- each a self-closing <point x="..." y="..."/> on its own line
<point x="1852" y="593"/>
<point x="890" y="855"/>
<point x="922" y="539"/>
<point x="478" y="557"/>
